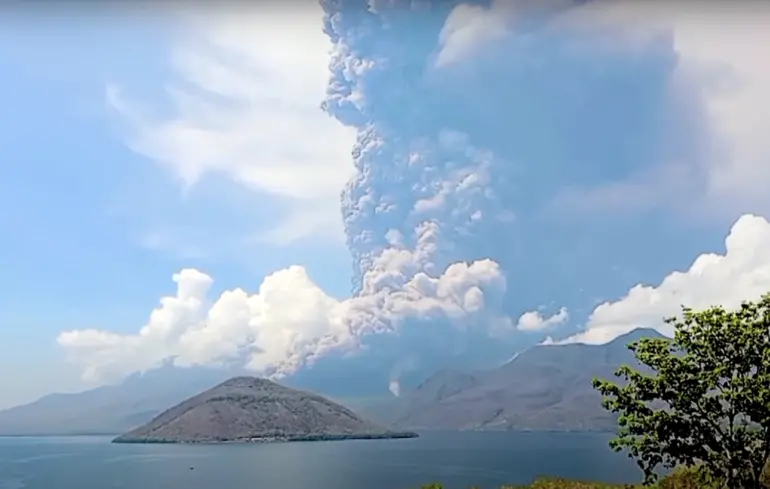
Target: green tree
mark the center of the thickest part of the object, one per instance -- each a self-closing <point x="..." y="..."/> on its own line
<point x="703" y="400"/>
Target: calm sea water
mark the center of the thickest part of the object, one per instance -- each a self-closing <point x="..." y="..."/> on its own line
<point x="458" y="460"/>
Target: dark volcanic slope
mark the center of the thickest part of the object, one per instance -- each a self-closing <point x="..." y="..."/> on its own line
<point x="252" y="409"/>
<point x="544" y="388"/>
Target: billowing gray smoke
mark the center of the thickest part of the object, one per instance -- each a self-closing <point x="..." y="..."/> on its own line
<point x="378" y="86"/>
<point x="516" y="161"/>
<point x="478" y="140"/>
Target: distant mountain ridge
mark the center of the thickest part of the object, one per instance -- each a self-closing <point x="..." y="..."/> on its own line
<point x="547" y="387"/>
<point x="542" y="376"/>
<point x="249" y="409"/>
<point x="110" y="409"/>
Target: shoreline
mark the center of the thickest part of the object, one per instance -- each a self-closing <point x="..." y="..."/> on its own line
<point x="418" y="429"/>
<point x="270" y="439"/>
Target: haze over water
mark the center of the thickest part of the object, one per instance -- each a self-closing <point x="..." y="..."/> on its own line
<point x="458" y="460"/>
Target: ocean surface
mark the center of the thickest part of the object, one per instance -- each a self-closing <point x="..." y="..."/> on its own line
<point x="458" y="460"/>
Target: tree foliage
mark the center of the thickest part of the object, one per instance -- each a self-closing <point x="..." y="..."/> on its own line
<point x="700" y="400"/>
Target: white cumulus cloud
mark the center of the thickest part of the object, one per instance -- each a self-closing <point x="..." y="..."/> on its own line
<point x="289" y="321"/>
<point x="741" y="273"/>
<point x="536" y="321"/>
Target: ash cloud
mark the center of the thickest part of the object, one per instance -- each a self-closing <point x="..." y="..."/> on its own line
<point x="501" y="149"/>
<point x="513" y="97"/>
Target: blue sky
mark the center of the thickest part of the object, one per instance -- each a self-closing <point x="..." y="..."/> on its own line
<point x="510" y="182"/>
<point x="84" y="215"/>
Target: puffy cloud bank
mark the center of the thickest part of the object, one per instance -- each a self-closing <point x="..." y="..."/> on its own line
<point x="290" y="322"/>
<point x="535" y="321"/>
<point x="741" y="273"/>
<point x="508" y="154"/>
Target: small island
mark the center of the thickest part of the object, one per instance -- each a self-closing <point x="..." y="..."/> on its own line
<point x="255" y="410"/>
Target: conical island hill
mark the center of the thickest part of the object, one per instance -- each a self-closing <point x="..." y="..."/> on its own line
<point x="248" y="409"/>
